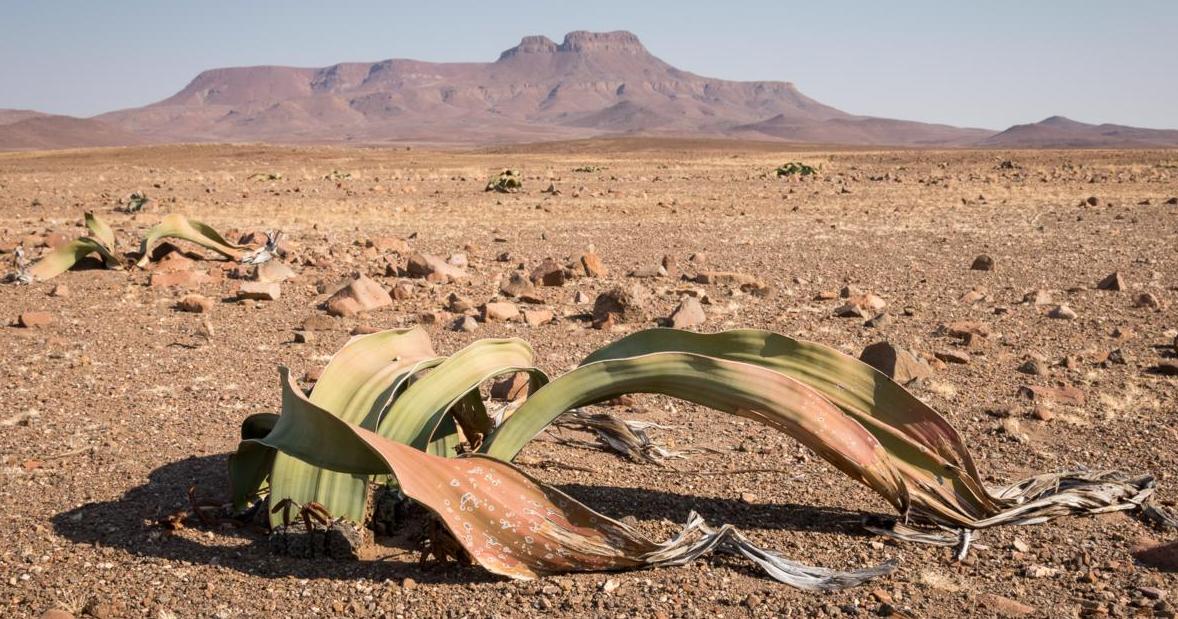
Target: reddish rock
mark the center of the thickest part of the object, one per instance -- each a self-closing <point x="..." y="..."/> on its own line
<point x="535" y="318"/>
<point x="1113" y="281"/>
<point x="458" y="304"/>
<point x="467" y="324"/>
<point x="195" y="303"/>
<point x="1062" y="312"/>
<point x="403" y="291"/>
<point x="433" y="269"/>
<point x="178" y="279"/>
<point x="965" y="328"/>
<point x="498" y="311"/>
<point x="549" y="273"/>
<point x="60" y="290"/>
<point x="620" y="305"/>
<point x="510" y="388"/>
<point x="362" y="294"/>
<point x="689" y="314"/>
<point x="861" y="306"/>
<point x="171" y="262"/>
<point x="952" y="356"/>
<point x="897" y="363"/>
<point x="35" y="320"/>
<point x="260" y="291"/>
<point x="516" y="285"/>
<point x="592" y="265"/>
<point x="273" y="271"/>
<point x="1063" y="395"/>
<point x="1005" y="607"/>
<point x="1163" y="557"/>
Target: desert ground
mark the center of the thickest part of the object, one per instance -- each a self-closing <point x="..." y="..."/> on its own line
<point x="122" y="402"/>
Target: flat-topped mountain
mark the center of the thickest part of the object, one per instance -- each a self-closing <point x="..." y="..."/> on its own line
<point x="591" y="83"/>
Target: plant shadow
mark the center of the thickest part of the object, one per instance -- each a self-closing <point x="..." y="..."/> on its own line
<point x="131" y="523"/>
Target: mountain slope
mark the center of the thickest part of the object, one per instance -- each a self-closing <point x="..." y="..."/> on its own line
<point x="26" y="130"/>
<point x="589" y="84"/>
<point x="1060" y="132"/>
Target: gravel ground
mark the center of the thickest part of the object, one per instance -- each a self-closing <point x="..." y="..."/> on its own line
<point x="119" y="405"/>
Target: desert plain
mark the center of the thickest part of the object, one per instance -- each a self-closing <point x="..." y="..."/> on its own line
<point x="115" y="402"/>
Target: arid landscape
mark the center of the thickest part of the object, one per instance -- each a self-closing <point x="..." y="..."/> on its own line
<point x="992" y="267"/>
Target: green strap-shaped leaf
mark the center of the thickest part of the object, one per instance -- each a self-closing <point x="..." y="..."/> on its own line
<point x="739" y="388"/>
<point x="415" y="415"/>
<point x="357" y="385"/>
<point x="65" y="257"/>
<point x="180" y="227"/>
<point x="99" y="229"/>
<point x="920" y="438"/>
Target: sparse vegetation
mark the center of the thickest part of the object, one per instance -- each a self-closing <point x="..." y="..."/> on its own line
<point x="507" y="181"/>
<point x="795" y="168"/>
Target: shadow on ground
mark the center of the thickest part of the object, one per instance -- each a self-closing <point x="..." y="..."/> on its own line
<point x="130" y="524"/>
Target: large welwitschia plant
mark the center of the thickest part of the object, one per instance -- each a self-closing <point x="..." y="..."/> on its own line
<point x="386" y="400"/>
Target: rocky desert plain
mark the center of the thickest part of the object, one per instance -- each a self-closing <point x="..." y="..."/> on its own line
<point x="1037" y="292"/>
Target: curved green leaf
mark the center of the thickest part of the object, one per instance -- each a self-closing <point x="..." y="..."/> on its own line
<point x="180" y="227"/>
<point x="739" y="388"/>
<point x="415" y="416"/>
<point x="357" y="385"/>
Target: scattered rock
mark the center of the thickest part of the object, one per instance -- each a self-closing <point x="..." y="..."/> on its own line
<point x="1005" y="607"/>
<point x="273" y="271"/>
<point x="260" y="291"/>
<point x="1062" y="312"/>
<point x="510" y="388"/>
<point x="178" y="279"/>
<point x="498" y="311"/>
<point x="458" y="304"/>
<point x="60" y="291"/>
<point x="897" y="363"/>
<point x="303" y="337"/>
<point x="620" y="305"/>
<point x="982" y="263"/>
<point x="880" y="320"/>
<point x="1113" y="281"/>
<point x="1063" y="395"/>
<point x="535" y="318"/>
<point x="1147" y="300"/>
<point x="1162" y="557"/>
<point x="861" y="306"/>
<point x="1038" y="297"/>
<point x="517" y="285"/>
<point x="318" y="322"/>
<point x="689" y="313"/>
<point x="592" y="265"/>
<point x="952" y="356"/>
<point x="467" y="324"/>
<point x="57" y="613"/>
<point x="432" y="268"/>
<point x="362" y="294"/>
<point x="1165" y="368"/>
<point x="549" y="273"/>
<point x="743" y="281"/>
<point x="195" y="303"/>
<point x="965" y="329"/>
<point x="1034" y="367"/>
<point x="402" y="291"/>
<point x="35" y="320"/>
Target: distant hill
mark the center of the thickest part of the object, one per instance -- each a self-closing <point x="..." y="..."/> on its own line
<point x="1060" y="132"/>
<point x="28" y="130"/>
<point x="590" y="84"/>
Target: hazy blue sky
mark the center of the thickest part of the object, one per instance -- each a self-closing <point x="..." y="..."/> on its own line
<point x="988" y="64"/>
